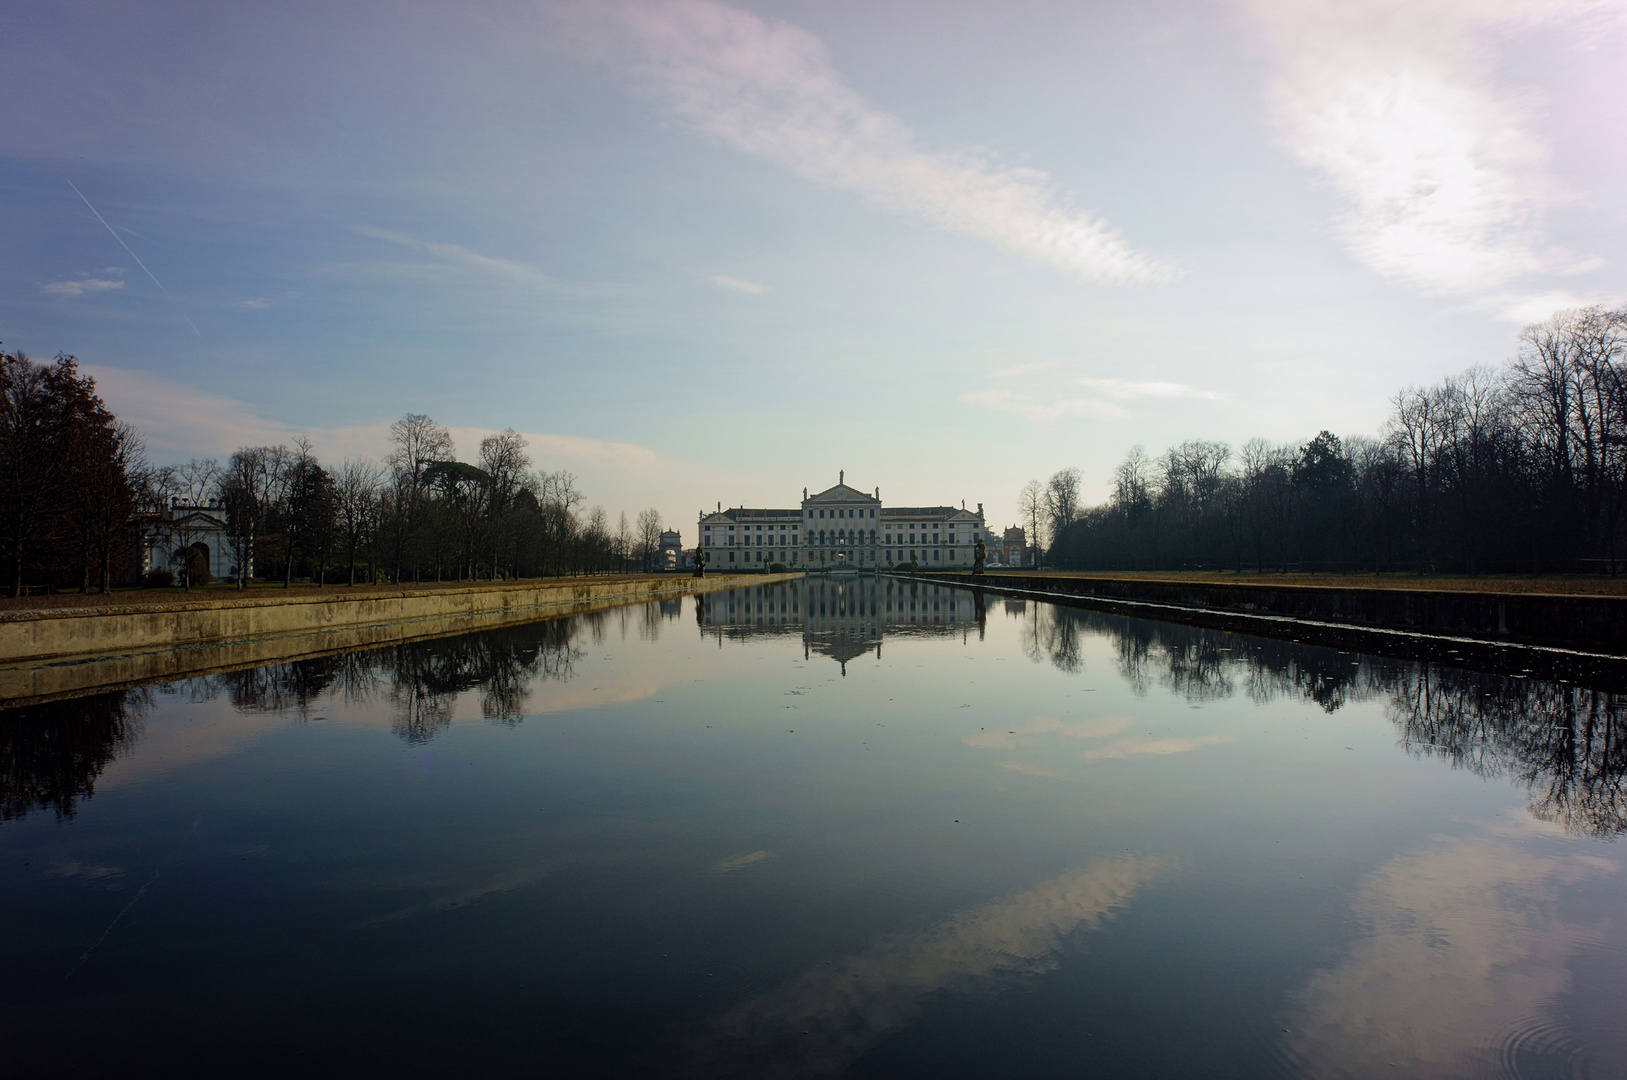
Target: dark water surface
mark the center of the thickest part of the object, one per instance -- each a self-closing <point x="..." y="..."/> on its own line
<point x="820" y="828"/>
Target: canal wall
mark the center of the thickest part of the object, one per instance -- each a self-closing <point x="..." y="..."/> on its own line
<point x="1596" y="624"/>
<point x="66" y="652"/>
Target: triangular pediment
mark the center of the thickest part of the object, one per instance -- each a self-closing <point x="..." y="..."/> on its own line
<point x="842" y="493"/>
<point x="199" y="521"/>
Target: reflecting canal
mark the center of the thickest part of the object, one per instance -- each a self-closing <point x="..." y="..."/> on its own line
<point x="844" y="826"/>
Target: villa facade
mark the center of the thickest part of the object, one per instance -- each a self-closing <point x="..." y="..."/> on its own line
<point x="841" y="527"/>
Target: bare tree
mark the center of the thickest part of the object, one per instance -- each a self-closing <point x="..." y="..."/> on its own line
<point x="505" y="462"/>
<point x="1062" y="500"/>
<point x="254" y="481"/>
<point x="648" y="535"/>
<point x="293" y="488"/>
<point x="417" y="442"/>
<point x="356" y="499"/>
<point x="1031" y="506"/>
<point x="624" y="541"/>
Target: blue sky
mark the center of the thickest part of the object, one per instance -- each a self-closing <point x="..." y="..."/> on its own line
<point x="704" y="252"/>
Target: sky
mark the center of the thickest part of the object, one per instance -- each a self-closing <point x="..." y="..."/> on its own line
<point x="701" y="252"/>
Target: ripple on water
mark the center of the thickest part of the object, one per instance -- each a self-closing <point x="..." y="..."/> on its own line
<point x="1534" y="1047"/>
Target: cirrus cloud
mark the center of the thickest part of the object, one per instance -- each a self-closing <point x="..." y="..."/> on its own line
<point x="80" y="287"/>
<point x="769" y="89"/>
<point x="739" y="285"/>
<point x="1441" y="174"/>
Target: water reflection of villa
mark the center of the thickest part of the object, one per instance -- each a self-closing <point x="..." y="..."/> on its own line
<point x="841" y="618"/>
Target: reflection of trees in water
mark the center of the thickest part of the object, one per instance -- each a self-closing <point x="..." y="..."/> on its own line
<point x="51" y="754"/>
<point x="1050" y="631"/>
<point x="1564" y="742"/>
<point x="426" y="677"/>
<point x="420" y="679"/>
<point x="1567" y="744"/>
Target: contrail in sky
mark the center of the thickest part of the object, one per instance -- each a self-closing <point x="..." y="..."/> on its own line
<point x="127" y="250"/>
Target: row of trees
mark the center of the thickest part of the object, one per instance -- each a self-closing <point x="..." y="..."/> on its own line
<point x="1518" y="468"/>
<point x="420" y="515"/>
<point x="78" y="496"/>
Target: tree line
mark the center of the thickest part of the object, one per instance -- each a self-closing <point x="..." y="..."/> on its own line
<point x="79" y="497"/>
<point x="1517" y="468"/>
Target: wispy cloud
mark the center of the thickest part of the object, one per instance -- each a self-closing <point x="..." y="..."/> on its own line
<point x="769" y="89"/>
<point x="1044" y="410"/>
<point x="1442" y="178"/>
<point x="517" y="272"/>
<point x="181" y="421"/>
<point x="81" y="286"/>
<point x="1105" y="405"/>
<point x="1130" y="390"/>
<point x="739" y="284"/>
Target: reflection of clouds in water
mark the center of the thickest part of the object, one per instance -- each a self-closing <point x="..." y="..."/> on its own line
<point x="1032" y="770"/>
<point x="736" y="862"/>
<point x="846" y="1006"/>
<point x="1467" y="948"/>
<point x="1030" y="732"/>
<point x="1038" y="729"/>
<point x="1140" y="746"/>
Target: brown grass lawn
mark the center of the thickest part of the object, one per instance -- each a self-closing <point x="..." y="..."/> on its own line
<point x="123" y="597"/>
<point x="1556" y="585"/>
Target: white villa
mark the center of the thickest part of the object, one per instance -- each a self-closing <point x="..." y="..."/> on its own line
<point x="842" y="527"/>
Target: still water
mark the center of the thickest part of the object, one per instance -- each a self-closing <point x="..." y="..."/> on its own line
<point x="865" y="828"/>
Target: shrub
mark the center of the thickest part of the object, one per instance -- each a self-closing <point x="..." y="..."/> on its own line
<point x="158" y="579"/>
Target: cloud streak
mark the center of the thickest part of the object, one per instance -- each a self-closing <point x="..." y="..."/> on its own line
<point x="1442" y="181"/>
<point x="1129" y="390"/>
<point x="1105" y="405"/>
<point x="769" y="89"/>
<point x="507" y="269"/>
<point x="80" y="287"/>
<point x="1049" y="409"/>
<point x="739" y="285"/>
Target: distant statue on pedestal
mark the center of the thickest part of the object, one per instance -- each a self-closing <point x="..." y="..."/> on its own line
<point x="700" y="562"/>
<point x="977" y="559"/>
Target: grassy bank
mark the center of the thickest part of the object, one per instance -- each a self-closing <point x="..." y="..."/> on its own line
<point x="268" y="592"/>
<point x="1527" y="585"/>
